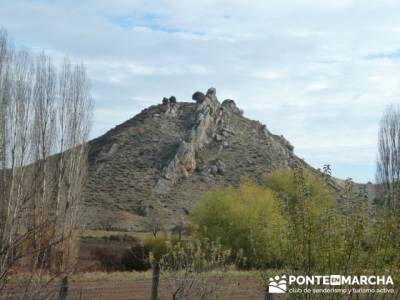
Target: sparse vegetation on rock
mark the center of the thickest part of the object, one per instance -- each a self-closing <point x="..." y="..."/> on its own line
<point x="198" y="97"/>
<point x="172" y="100"/>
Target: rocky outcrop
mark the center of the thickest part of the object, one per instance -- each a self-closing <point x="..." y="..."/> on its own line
<point x="230" y="105"/>
<point x="171" y="110"/>
<point x="158" y="164"/>
<point x="286" y="143"/>
<point x="217" y="168"/>
<point x="183" y="163"/>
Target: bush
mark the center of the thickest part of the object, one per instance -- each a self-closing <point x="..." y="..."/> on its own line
<point x="293" y="221"/>
<point x="121" y="238"/>
<point x="246" y="220"/>
<point x="172" y="100"/>
<point x="109" y="258"/>
<point x="199" y="97"/>
<point x="136" y="258"/>
<point x="186" y="265"/>
<point x="158" y="246"/>
<point x="113" y="256"/>
<point x="290" y="221"/>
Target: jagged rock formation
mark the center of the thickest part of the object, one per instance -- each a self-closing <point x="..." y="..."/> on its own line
<point x="155" y="166"/>
<point x="207" y="119"/>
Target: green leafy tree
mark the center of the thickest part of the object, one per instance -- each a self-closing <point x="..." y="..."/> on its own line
<point x="247" y="220"/>
<point x="310" y="211"/>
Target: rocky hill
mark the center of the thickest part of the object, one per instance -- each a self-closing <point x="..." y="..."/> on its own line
<point x="154" y="167"/>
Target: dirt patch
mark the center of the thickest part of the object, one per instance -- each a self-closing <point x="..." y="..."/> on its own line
<point x="93" y="252"/>
<point x="137" y="285"/>
<point x="242" y="288"/>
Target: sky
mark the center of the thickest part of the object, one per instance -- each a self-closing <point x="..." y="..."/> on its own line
<point x="318" y="72"/>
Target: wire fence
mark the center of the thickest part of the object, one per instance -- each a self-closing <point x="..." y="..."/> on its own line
<point x="140" y="289"/>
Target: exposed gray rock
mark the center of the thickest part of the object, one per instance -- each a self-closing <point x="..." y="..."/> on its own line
<point x="227" y="131"/>
<point x="286" y="143"/>
<point x="230" y="105"/>
<point x="183" y="163"/>
<point x="211" y="92"/>
<point x="221" y="167"/>
<point x="213" y="170"/>
<point x="172" y="110"/>
<point x="218" y="138"/>
<point x="205" y="179"/>
<point x="217" y="168"/>
<point x="181" y="166"/>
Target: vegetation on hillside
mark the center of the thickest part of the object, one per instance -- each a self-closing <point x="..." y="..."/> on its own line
<point x="293" y="222"/>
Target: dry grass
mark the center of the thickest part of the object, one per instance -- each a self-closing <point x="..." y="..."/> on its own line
<point x="100" y="234"/>
<point x="111" y="276"/>
<point x="127" y="276"/>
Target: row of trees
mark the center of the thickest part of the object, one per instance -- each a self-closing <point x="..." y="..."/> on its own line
<point x="44" y="110"/>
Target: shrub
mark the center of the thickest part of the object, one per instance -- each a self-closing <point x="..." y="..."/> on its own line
<point x="199" y="97"/>
<point x="121" y="238"/>
<point x="185" y="267"/>
<point x="293" y="221"/>
<point x="114" y="256"/>
<point x="246" y="220"/>
<point x="109" y="258"/>
<point x="172" y="100"/>
<point x="136" y="258"/>
<point x="158" y="246"/>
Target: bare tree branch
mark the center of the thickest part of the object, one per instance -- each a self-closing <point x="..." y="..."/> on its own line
<point x="45" y="118"/>
<point x="388" y="162"/>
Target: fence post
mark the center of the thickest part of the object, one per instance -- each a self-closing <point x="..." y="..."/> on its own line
<point x="267" y="296"/>
<point x="155" y="281"/>
<point x="63" y="289"/>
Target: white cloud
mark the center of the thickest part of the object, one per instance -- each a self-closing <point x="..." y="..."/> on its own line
<point x="320" y="73"/>
<point x="271" y="74"/>
<point x="316" y="86"/>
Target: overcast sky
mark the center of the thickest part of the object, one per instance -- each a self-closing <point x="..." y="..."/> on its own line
<point x="319" y="73"/>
